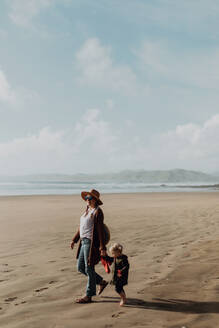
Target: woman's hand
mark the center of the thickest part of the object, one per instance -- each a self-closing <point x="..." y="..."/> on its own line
<point x="72" y="244"/>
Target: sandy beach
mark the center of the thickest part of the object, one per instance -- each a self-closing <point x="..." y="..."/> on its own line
<point x="172" y="243"/>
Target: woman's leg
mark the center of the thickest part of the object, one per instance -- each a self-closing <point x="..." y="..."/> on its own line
<point x="81" y="263"/>
<point x="83" y="267"/>
<point x="90" y="272"/>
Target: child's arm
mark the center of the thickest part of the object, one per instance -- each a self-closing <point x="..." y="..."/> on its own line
<point x="124" y="269"/>
<point x="108" y="258"/>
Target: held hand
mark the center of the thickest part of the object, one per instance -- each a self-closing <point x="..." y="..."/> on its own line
<point x="119" y="274"/>
<point x="103" y="252"/>
<point x="72" y="244"/>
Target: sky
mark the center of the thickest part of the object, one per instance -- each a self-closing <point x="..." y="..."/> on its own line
<point x="107" y="85"/>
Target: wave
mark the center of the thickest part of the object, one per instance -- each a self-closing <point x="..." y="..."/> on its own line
<point x="70" y="187"/>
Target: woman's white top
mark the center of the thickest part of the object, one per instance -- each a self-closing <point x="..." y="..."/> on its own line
<point x="86" y="224"/>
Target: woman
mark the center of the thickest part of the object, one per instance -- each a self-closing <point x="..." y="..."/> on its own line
<point x="91" y="245"/>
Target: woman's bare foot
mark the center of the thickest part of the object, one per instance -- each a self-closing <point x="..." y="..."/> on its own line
<point x="84" y="300"/>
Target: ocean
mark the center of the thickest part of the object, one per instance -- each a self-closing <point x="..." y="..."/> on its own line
<point x="68" y="188"/>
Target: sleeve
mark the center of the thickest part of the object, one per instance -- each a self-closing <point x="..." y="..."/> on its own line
<point x="76" y="237"/>
<point x="109" y="259"/>
<point x="100" y="229"/>
<point x="125" y="265"/>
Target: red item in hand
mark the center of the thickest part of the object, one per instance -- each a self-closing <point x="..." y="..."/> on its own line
<point x="119" y="273"/>
<point x="105" y="264"/>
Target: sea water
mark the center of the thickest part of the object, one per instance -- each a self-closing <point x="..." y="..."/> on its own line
<point x="68" y="187"/>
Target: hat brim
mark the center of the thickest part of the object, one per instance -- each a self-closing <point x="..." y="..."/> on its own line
<point x="86" y="193"/>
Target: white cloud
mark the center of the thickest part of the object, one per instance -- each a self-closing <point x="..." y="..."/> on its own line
<point x="95" y="133"/>
<point x="14" y="97"/>
<point x="96" y="68"/>
<point x="44" y="150"/>
<point x="94" y="145"/>
<point x="191" y="145"/>
<point x="110" y="104"/>
<point x="6" y="93"/>
<point x="23" y="11"/>
<point x="198" y="68"/>
<point x="88" y="147"/>
<point x="3" y="34"/>
<point x="196" y="142"/>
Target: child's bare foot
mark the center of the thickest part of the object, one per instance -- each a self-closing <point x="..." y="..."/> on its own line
<point x="123" y="301"/>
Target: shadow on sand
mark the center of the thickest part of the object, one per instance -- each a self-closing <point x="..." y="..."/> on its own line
<point x="173" y="305"/>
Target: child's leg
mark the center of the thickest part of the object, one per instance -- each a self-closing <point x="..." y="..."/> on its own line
<point x="123" y="298"/>
<point x="121" y="292"/>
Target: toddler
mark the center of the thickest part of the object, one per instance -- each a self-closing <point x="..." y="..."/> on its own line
<point x="120" y="270"/>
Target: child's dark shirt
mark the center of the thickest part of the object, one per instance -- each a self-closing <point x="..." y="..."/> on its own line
<point x="120" y="269"/>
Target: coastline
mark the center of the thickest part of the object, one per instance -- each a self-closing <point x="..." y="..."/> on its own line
<point x="171" y="241"/>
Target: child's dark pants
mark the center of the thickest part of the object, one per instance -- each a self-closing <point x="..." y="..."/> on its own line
<point x="119" y="288"/>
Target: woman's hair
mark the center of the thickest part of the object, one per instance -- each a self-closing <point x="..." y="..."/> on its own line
<point x="116" y="247"/>
<point x="96" y="205"/>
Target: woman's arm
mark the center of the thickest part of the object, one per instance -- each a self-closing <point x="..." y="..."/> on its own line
<point x="76" y="237"/>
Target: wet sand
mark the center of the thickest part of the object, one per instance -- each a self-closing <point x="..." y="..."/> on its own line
<point x="172" y="243"/>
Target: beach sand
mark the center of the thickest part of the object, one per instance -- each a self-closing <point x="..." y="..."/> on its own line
<point x="171" y="240"/>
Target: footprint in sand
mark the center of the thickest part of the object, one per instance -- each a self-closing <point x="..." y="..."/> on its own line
<point x="65" y="269"/>
<point x="41" y="289"/>
<point x="23" y="302"/>
<point x="5" y="264"/>
<point x="52" y="261"/>
<point x="117" y="315"/>
<point x="10" y="299"/>
<point x="52" y="282"/>
<point x="7" y="271"/>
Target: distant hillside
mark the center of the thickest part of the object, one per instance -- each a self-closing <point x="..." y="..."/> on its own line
<point x="168" y="176"/>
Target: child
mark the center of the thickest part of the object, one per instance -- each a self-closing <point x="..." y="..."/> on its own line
<point x="120" y="270"/>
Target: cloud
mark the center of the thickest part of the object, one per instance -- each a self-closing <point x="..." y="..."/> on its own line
<point x="192" y="142"/>
<point x="163" y="64"/>
<point x="14" y="97"/>
<point x="110" y="104"/>
<point x="33" y="153"/>
<point x="23" y="11"/>
<point x="96" y="68"/>
<point x="95" y="145"/>
<point x="191" y="146"/>
<point x="96" y="133"/>
<point x="6" y="93"/>
<point x="87" y="147"/>
<point x="172" y="17"/>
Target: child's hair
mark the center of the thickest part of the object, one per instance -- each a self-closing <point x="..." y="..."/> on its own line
<point x="116" y="247"/>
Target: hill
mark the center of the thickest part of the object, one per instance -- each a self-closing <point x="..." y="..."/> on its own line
<point x="141" y="176"/>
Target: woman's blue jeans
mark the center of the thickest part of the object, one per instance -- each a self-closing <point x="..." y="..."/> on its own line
<point x="89" y="270"/>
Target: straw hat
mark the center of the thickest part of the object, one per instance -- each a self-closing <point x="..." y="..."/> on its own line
<point x="94" y="193"/>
